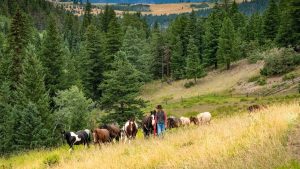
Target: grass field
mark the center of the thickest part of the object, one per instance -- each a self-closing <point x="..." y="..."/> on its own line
<point x="238" y="141"/>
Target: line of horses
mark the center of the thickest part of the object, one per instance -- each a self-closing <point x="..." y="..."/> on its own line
<point x="112" y="133"/>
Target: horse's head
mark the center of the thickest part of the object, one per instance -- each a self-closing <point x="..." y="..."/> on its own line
<point x="194" y="120"/>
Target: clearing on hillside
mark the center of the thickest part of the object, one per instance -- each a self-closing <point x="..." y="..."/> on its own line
<point x="240" y="141"/>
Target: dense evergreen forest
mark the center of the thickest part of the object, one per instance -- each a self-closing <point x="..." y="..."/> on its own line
<point x="61" y="72"/>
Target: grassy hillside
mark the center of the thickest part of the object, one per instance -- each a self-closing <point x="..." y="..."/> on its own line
<point x="222" y="92"/>
<point x="240" y="141"/>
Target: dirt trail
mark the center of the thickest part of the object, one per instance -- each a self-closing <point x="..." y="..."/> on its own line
<point x="294" y="143"/>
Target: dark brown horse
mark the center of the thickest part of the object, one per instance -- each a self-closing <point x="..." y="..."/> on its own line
<point x="173" y="122"/>
<point x="194" y="120"/>
<point x="148" y="124"/>
<point x="129" y="130"/>
<point x="101" y="136"/>
<point x="114" y="131"/>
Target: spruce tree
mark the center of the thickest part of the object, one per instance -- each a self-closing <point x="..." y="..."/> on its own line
<point x="288" y="32"/>
<point x="194" y="67"/>
<point x="137" y="50"/>
<point x="29" y="131"/>
<point x="6" y="120"/>
<point x="18" y="41"/>
<point x="271" y="21"/>
<point x="121" y="90"/>
<point x="156" y="50"/>
<point x="178" y="62"/>
<point x="92" y="63"/>
<point x="52" y="57"/>
<point x="211" y="35"/>
<point x="108" y="15"/>
<point x="226" y="51"/>
<point x="32" y="88"/>
<point x="113" y="40"/>
<point x="87" y="17"/>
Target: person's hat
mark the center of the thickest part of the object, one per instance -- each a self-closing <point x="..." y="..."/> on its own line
<point x="159" y="107"/>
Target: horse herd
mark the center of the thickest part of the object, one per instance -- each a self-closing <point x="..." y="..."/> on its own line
<point x="111" y="132"/>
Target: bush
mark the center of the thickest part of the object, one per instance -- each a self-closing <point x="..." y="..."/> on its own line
<point x="255" y="56"/>
<point x="189" y="84"/>
<point x="289" y="76"/>
<point x="51" y="160"/>
<point x="253" y="78"/>
<point x="280" y="61"/>
<point x="261" y="81"/>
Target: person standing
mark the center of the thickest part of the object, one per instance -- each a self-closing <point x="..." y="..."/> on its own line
<point x="161" y="120"/>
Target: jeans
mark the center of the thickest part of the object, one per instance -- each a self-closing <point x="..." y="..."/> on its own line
<point x="160" y="128"/>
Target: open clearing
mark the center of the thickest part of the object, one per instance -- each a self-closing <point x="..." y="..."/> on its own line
<point x="240" y="141"/>
<point x="215" y="82"/>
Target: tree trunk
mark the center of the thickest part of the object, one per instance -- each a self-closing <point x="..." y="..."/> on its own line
<point x="228" y="65"/>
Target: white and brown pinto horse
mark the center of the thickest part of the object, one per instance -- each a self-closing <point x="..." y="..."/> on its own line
<point x="129" y="131"/>
<point x="76" y="138"/>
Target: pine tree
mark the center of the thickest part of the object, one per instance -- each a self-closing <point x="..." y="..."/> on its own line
<point x="92" y="64"/>
<point x="178" y="61"/>
<point x="254" y="29"/>
<point x="226" y="52"/>
<point x="237" y="18"/>
<point x="6" y="120"/>
<point x="18" y="40"/>
<point x="87" y="17"/>
<point x="211" y="35"/>
<point x="194" y="67"/>
<point x="288" y="32"/>
<point x="113" y="40"/>
<point x="108" y="15"/>
<point x="29" y="131"/>
<point x="271" y="21"/>
<point x="52" y="57"/>
<point x="137" y="51"/>
<point x="156" y="50"/>
<point x="32" y="88"/>
<point x="120" y="91"/>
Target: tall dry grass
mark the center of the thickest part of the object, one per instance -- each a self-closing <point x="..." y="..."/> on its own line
<point x="234" y="142"/>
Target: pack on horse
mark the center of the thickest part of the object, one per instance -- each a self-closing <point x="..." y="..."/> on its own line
<point x="76" y="138"/>
<point x="129" y="130"/>
<point x="148" y="124"/>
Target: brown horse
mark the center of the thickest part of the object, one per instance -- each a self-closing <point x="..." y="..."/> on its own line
<point x="114" y="131"/>
<point x="101" y="136"/>
<point x="194" y="120"/>
<point x="129" y="130"/>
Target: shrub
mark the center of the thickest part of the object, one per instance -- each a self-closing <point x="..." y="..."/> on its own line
<point x="253" y="78"/>
<point x="189" y="84"/>
<point x="280" y="61"/>
<point x="255" y="56"/>
<point x="51" y="160"/>
<point x="261" y="81"/>
<point x="289" y="76"/>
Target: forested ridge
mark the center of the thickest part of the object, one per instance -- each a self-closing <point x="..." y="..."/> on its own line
<point x="61" y="72"/>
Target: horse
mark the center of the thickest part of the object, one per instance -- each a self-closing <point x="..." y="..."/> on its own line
<point x="194" y="120"/>
<point x="101" y="136"/>
<point x="80" y="137"/>
<point x="173" y="122"/>
<point x="148" y="124"/>
<point x="114" y="131"/>
<point x="204" y="118"/>
<point x="185" y="121"/>
<point x="129" y="130"/>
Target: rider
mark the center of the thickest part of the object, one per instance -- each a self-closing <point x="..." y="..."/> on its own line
<point x="161" y="120"/>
